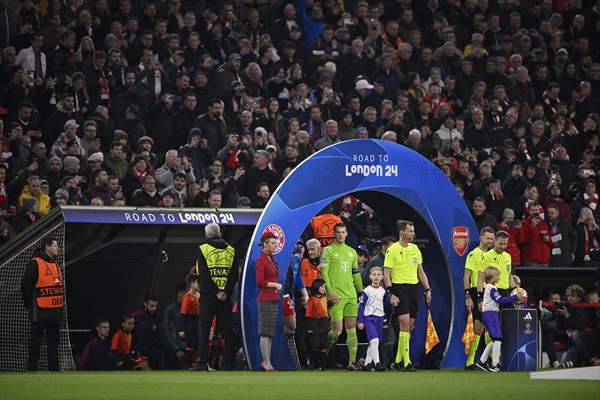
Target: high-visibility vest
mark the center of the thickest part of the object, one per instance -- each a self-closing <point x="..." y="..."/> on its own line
<point x="219" y="263"/>
<point x="49" y="286"/>
<point x="323" y="228"/>
<point x="309" y="272"/>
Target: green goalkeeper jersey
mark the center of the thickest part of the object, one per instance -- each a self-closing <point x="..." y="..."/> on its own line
<point x="339" y="269"/>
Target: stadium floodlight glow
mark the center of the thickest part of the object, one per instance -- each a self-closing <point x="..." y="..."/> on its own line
<point x="397" y="183"/>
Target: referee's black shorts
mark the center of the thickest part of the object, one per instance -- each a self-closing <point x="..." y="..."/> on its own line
<point x="475" y="310"/>
<point x="408" y="294"/>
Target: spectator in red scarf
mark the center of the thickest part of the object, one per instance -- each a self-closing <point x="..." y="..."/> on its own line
<point x="134" y="177"/>
<point x="563" y="239"/>
<point x="588" y="243"/>
<point x="588" y="197"/>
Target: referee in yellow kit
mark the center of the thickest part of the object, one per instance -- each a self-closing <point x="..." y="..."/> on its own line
<point x="403" y="271"/>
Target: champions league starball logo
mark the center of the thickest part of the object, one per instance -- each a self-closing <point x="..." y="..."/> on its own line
<point x="279" y="235"/>
<point x="460" y="239"/>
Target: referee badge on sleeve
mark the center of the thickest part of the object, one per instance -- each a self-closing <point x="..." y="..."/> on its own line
<point x="415" y="261"/>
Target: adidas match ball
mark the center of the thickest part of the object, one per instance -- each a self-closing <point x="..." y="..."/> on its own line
<point x="523" y="293"/>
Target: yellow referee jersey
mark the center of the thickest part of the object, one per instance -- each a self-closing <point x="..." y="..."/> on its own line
<point x="501" y="261"/>
<point x="475" y="264"/>
<point x="404" y="262"/>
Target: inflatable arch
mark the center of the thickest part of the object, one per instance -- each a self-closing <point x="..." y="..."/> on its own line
<point x="397" y="183"/>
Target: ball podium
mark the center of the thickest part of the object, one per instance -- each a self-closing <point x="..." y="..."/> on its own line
<point x="520" y="342"/>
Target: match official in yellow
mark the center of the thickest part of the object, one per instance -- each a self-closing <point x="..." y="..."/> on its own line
<point x="403" y="271"/>
<point x="473" y="266"/>
<point x="499" y="258"/>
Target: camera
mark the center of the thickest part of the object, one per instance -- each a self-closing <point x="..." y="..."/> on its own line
<point x="561" y="305"/>
<point x="550" y="314"/>
<point x="553" y="179"/>
<point x="546" y="315"/>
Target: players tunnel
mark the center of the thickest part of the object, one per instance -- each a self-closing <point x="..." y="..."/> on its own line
<point x="397" y="183"/>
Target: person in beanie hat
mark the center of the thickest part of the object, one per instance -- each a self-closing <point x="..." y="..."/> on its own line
<point x="53" y="173"/>
<point x="64" y="141"/>
<point x="59" y="199"/>
<point x="71" y="165"/>
<point x="513" y="227"/>
<point x="346" y="129"/>
<point x="27" y="215"/>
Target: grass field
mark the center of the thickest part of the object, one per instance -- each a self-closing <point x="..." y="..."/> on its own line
<point x="446" y="384"/>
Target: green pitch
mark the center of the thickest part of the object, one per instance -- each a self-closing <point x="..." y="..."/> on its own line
<point x="446" y="384"/>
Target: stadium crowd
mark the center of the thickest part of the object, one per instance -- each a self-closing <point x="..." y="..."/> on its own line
<point x="177" y="104"/>
<point x="182" y="103"/>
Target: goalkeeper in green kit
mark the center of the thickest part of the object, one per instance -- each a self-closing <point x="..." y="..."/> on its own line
<point x="339" y="269"/>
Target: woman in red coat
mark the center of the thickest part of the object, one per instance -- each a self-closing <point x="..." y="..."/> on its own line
<point x="267" y="279"/>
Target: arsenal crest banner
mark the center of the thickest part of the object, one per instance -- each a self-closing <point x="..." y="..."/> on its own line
<point x="460" y="239"/>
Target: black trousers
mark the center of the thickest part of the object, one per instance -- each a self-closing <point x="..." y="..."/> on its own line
<point x="300" y="337"/>
<point x="35" y="343"/>
<point x="209" y="307"/>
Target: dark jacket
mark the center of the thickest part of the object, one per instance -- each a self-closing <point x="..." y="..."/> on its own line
<point x="62" y="61"/>
<point x="148" y="333"/>
<point x="568" y="243"/>
<point x="141" y="198"/>
<point x="21" y="221"/>
<point x="213" y="131"/>
<point x="103" y="192"/>
<point x="159" y="124"/>
<point x="577" y="204"/>
<point x="580" y="249"/>
<point x="96" y="355"/>
<point x="56" y="124"/>
<point x="485" y="220"/>
<point x="132" y="95"/>
<point x="254" y="176"/>
<point x="182" y="124"/>
<point x="130" y="184"/>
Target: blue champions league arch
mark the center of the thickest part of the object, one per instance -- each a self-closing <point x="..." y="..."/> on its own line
<point x="397" y="183"/>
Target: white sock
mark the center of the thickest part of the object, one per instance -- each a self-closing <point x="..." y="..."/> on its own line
<point x="496" y="352"/>
<point x="369" y="356"/>
<point x="374" y="344"/>
<point x="486" y="352"/>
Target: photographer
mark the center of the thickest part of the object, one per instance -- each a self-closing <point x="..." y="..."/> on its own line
<point x="550" y="331"/>
<point x="330" y="105"/>
<point x="578" y="325"/>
